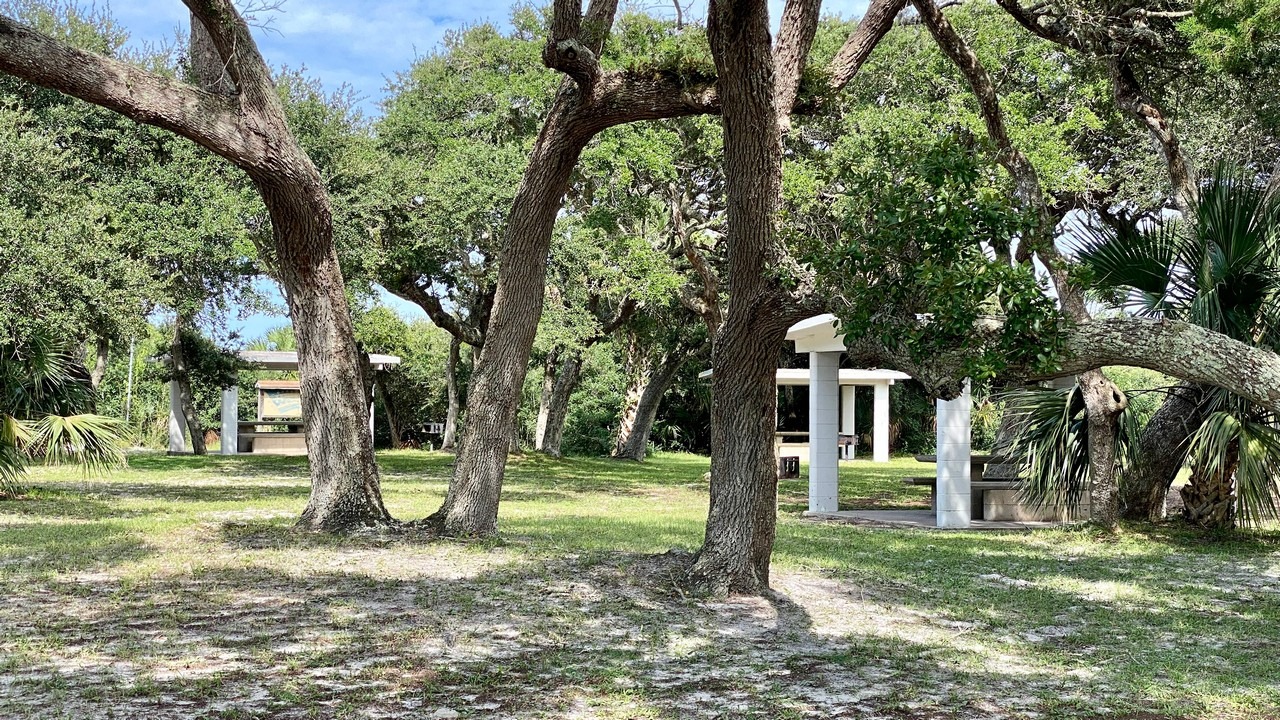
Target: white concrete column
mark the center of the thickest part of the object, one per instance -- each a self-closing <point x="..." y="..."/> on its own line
<point x="230" y="420"/>
<point x="880" y="432"/>
<point x="953" y="509"/>
<point x="847" y="426"/>
<point x="177" y="421"/>
<point x="373" y="391"/>
<point x="824" y="419"/>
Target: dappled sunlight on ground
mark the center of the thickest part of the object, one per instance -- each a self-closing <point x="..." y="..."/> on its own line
<point x="180" y="589"/>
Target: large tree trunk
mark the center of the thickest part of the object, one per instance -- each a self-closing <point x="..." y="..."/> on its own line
<point x="1161" y="453"/>
<point x="640" y="408"/>
<point x="179" y="366"/>
<point x="558" y="406"/>
<point x="1208" y="499"/>
<point x="743" y="511"/>
<point x="744" y="476"/>
<point x="1103" y="404"/>
<point x="471" y="506"/>
<point x="455" y="403"/>
<point x="345" y="488"/>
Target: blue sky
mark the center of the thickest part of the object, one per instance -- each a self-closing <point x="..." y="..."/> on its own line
<point x="357" y="43"/>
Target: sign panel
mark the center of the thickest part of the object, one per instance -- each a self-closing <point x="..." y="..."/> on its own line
<point x="281" y="403"/>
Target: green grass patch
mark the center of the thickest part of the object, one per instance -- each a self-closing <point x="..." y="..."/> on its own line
<point x="180" y="588"/>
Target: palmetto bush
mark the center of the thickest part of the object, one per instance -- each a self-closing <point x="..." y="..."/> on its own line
<point x="45" y="403"/>
<point x="1219" y="270"/>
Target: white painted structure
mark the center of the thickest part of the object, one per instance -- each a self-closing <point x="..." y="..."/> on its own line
<point x="820" y="337"/>
<point x="954" y="450"/>
<point x="264" y="360"/>
<point x="831" y="406"/>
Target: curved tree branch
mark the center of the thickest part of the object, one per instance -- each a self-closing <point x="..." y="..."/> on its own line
<point x="1130" y="98"/>
<point x="443" y="319"/>
<point x="207" y="118"/>
<point x="1184" y="350"/>
<point x="871" y="29"/>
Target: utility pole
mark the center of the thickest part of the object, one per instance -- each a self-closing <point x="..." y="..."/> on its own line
<point x="128" y="392"/>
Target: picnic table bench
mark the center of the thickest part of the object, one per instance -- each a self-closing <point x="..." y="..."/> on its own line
<point x="977" y="492"/>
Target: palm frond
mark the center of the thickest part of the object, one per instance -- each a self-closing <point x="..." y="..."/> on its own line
<point x="1050" y="445"/>
<point x="1226" y="443"/>
<point x="12" y="461"/>
<point x="1138" y="267"/>
<point x="93" y="441"/>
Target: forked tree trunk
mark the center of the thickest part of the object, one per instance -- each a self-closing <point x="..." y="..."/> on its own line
<point x="1161" y="453"/>
<point x="449" y="441"/>
<point x="1208" y="499"/>
<point x="644" y="396"/>
<point x="471" y="506"/>
<point x="558" y="407"/>
<point x="180" y="366"/>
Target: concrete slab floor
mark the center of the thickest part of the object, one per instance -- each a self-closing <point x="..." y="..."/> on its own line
<point x="915" y="519"/>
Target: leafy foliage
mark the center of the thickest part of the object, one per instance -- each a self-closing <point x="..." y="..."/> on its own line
<point x="914" y="265"/>
<point x="1221" y="272"/>
<point x="44" y="412"/>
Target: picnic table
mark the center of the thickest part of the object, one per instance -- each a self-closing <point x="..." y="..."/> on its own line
<point x="977" y="485"/>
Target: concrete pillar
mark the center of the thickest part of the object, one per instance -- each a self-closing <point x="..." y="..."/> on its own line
<point x="847" y="426"/>
<point x="177" y="421"/>
<point x="373" y="391"/>
<point x="230" y="420"/>
<point x="880" y="432"/>
<point x="824" y="419"/>
<point x="953" y="509"/>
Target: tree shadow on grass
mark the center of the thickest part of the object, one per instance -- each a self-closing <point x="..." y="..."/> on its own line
<point x="606" y="633"/>
<point x="217" y="465"/>
<point x="59" y="502"/>
<point x="94" y="497"/>
<point x="66" y="547"/>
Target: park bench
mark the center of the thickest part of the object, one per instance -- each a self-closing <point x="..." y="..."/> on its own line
<point x="977" y="490"/>
<point x="288" y="442"/>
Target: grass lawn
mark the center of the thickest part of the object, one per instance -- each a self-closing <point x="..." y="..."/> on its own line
<point x="178" y="589"/>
